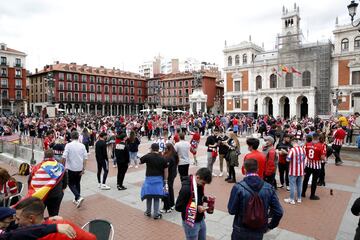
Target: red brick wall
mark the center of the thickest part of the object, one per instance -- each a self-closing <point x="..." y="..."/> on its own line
<point x="209" y="88"/>
<point x="229" y="82"/>
<point x="229" y="105"/>
<point x="344" y="106"/>
<point x="344" y="73"/>
<point x="245" y="81"/>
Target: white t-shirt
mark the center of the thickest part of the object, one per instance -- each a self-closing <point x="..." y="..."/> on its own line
<point x="183" y="148"/>
<point x="162" y="144"/>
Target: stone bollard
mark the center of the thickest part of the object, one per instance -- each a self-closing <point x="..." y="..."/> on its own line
<point x="1" y="146"/>
<point x="16" y="146"/>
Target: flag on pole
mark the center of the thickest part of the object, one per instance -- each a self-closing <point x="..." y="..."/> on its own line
<point x="293" y="70"/>
<point x="284" y="68"/>
<point x="277" y="73"/>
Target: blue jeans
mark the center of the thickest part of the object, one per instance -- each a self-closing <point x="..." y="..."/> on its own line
<point x="198" y="232"/>
<point x="133" y="158"/>
<point x="295" y="181"/>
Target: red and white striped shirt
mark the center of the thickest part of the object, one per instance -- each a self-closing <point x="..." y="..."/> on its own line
<point x="339" y="136"/>
<point x="314" y="153"/>
<point x="297" y="159"/>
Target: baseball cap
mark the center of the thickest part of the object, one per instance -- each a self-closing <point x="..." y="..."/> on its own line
<point x="6" y="212"/>
<point x="155" y="147"/>
<point x="269" y="138"/>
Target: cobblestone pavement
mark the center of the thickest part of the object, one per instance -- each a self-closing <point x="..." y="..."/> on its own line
<point x="329" y="218"/>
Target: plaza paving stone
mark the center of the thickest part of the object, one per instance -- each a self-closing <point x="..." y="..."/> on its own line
<point x="328" y="218"/>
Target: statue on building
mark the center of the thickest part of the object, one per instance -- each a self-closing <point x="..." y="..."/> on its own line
<point x="198" y="77"/>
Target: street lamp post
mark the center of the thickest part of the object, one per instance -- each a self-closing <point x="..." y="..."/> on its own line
<point x="352" y="12"/>
<point x="336" y="101"/>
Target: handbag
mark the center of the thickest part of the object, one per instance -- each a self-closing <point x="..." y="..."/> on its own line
<point x="214" y="153"/>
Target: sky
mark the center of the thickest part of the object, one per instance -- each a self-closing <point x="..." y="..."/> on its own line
<point x="123" y="33"/>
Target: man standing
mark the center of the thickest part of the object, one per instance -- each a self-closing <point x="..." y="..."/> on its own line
<point x="75" y="157"/>
<point x="211" y="143"/>
<point x="102" y="160"/>
<point x="122" y="157"/>
<point x="297" y="159"/>
<point x="315" y="154"/>
<point x="190" y="203"/>
<point x="250" y="222"/>
<point x="270" y="161"/>
<point x="253" y="144"/>
<point x="156" y="180"/>
<point x="339" y="136"/>
<point x="47" y="182"/>
<point x="283" y="149"/>
<point x="183" y="148"/>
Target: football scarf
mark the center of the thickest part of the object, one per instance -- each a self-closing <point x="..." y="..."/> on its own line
<point x="191" y="208"/>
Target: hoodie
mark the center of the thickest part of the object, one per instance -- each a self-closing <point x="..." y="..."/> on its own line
<point x="239" y="198"/>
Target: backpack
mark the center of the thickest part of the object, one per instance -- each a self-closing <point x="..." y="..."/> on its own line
<point x="24" y="169"/>
<point x="254" y="214"/>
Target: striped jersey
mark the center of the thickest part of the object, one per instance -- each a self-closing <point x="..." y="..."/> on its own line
<point x="297" y="159"/>
<point x="314" y="153"/>
<point x="339" y="136"/>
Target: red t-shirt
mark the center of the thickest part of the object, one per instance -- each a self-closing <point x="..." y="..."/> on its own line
<point x="80" y="234"/>
<point x="260" y="158"/>
<point x="176" y="138"/>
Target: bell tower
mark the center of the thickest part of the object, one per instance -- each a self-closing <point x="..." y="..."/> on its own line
<point x="290" y="32"/>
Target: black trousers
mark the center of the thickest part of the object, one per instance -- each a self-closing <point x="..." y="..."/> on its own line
<point x="315" y="175"/>
<point x="53" y="205"/>
<point x="102" y="164"/>
<point x="322" y="173"/>
<point x="271" y="180"/>
<point x="284" y="172"/>
<point x="349" y="135"/>
<point x="337" y="149"/>
<point x="122" y="169"/>
<point x="232" y="174"/>
<point x="74" y="178"/>
<point x="169" y="200"/>
<point x="183" y="170"/>
<point x="149" y="134"/>
<point x="357" y="233"/>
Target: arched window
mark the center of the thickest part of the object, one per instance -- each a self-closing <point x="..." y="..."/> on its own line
<point x="237" y="60"/>
<point x="244" y="58"/>
<point x="357" y="42"/>
<point x="306" y="78"/>
<point x="289" y="80"/>
<point x="229" y="61"/>
<point x="258" y="82"/>
<point x="273" y="81"/>
<point x="345" y="45"/>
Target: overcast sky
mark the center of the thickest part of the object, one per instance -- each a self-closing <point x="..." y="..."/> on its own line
<point x="123" y="33"/>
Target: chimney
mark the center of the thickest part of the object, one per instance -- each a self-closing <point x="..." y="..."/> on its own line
<point x="51" y="67"/>
<point x="36" y="70"/>
<point x="56" y="62"/>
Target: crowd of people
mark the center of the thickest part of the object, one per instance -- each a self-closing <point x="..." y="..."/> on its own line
<point x="293" y="151"/>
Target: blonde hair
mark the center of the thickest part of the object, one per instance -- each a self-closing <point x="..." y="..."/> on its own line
<point x="236" y="140"/>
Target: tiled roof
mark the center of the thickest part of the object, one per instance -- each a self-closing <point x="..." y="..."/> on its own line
<point x="185" y="75"/>
<point x="84" y="69"/>
<point x="13" y="51"/>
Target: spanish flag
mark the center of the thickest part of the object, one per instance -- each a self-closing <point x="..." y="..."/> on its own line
<point x="284" y="68"/>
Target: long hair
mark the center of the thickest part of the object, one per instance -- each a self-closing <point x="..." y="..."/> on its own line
<point x="236" y="140"/>
<point x="132" y="136"/>
<point x="170" y="151"/>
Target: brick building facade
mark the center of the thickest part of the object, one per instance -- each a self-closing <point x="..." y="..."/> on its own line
<point x="82" y="88"/>
<point x="13" y="96"/>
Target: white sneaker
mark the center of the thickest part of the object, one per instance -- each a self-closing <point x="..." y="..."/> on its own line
<point x="136" y="166"/>
<point x="105" y="187"/>
<point x="99" y="186"/>
<point x="114" y="166"/>
<point x="131" y="166"/>
<point x="287" y="188"/>
<point x="214" y="175"/>
<point x="74" y="201"/>
<point x="290" y="201"/>
<point x="299" y="200"/>
<point x="221" y="174"/>
<point x="79" y="202"/>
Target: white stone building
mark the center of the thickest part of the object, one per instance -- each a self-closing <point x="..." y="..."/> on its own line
<point x="257" y="83"/>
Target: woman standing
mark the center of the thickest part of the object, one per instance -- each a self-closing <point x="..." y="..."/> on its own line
<point x="172" y="158"/>
<point x="133" y="146"/>
<point x="233" y="156"/>
<point x="194" y="143"/>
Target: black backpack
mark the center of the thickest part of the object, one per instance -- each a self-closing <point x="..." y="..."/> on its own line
<point x="254" y="214"/>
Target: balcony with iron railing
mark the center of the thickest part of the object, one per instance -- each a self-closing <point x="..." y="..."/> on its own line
<point x="4" y="74"/>
<point x="18" y="65"/>
<point x="4" y="63"/>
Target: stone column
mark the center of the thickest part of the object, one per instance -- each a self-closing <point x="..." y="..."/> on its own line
<point x="124" y="106"/>
<point x="293" y="106"/>
<point x="137" y="109"/>
<point x="130" y="110"/>
<point x="103" y="109"/>
<point x="72" y="108"/>
<point x="260" y="106"/>
<point x="311" y="104"/>
<point x="12" y="106"/>
<point x="88" y="108"/>
<point x="95" y="109"/>
<point x="276" y="111"/>
<point x="25" y="108"/>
